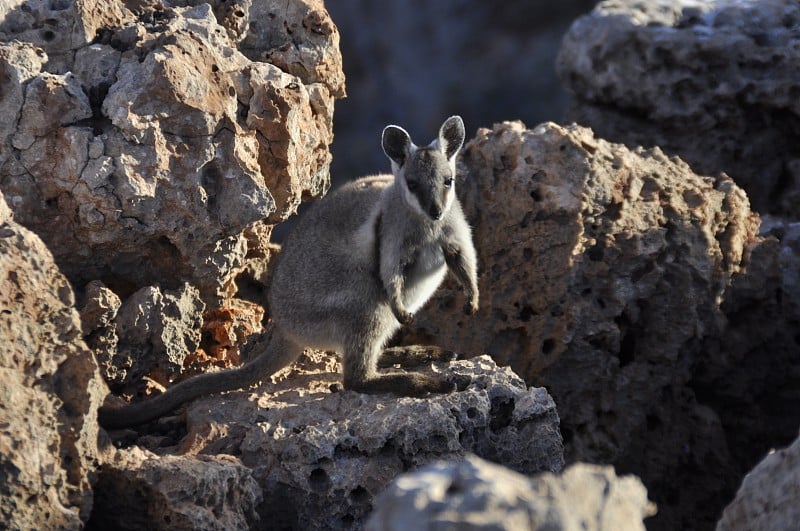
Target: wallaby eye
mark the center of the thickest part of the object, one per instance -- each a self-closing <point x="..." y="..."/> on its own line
<point x="448" y="183"/>
<point x="413" y="186"/>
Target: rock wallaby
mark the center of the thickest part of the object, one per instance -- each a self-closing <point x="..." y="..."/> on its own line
<point x="356" y="268"/>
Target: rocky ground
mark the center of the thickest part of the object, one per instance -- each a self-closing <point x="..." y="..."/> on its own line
<point x="639" y="305"/>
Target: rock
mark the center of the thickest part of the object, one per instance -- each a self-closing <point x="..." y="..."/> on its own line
<point x="475" y="494"/>
<point x="98" y="315"/>
<point x="767" y="499"/>
<point x="602" y="270"/>
<point x="713" y="82"/>
<point x="140" y="490"/>
<point x="50" y="390"/>
<point x="751" y="372"/>
<point x="321" y="456"/>
<point x="157" y="331"/>
<point x="160" y="144"/>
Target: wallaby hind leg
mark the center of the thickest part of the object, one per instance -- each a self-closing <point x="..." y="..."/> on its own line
<point x="360" y="374"/>
<point x="413" y="356"/>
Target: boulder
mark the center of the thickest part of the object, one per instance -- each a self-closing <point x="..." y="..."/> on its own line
<point x="767" y="499"/>
<point x="138" y="489"/>
<point x="475" y="494"/>
<point x="146" y="156"/>
<point x="320" y="454"/>
<point x="602" y="271"/>
<point x="714" y="82"/>
<point x="50" y="390"/>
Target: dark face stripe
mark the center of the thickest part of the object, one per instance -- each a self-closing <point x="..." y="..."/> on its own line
<point x="426" y="172"/>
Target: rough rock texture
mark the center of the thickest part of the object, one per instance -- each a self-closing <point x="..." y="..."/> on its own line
<point x="602" y="271"/>
<point x="475" y="494"/>
<point x="142" y="145"/>
<point x="320" y="457"/>
<point x="752" y="381"/>
<point x="767" y="499"/>
<point x="140" y="490"/>
<point x="714" y="82"/>
<point x="157" y="331"/>
<point x="50" y="389"/>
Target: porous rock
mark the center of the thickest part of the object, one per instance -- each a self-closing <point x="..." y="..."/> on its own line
<point x="767" y="498"/>
<point x="98" y="317"/>
<point x="143" y="157"/>
<point x="137" y="490"/>
<point x="321" y="456"/>
<point x="475" y="494"/>
<point x="714" y="82"/>
<point x="602" y="270"/>
<point x="50" y="389"/>
<point x="157" y="330"/>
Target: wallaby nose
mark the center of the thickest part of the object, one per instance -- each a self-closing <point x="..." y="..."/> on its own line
<point x="436" y="213"/>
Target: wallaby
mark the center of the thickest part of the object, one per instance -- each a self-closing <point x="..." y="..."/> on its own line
<point x="356" y="268"/>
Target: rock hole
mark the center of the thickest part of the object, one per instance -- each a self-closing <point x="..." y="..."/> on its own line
<point x="595" y="253"/>
<point x="501" y="413"/>
<point x="471" y="412"/>
<point x="653" y="423"/>
<point x="536" y="195"/>
<point x="319" y="480"/>
<point x="359" y="495"/>
<point x="48" y="35"/>
<point x="526" y="313"/>
<point x="627" y="349"/>
<point x="453" y="488"/>
<point x="527" y="254"/>
<point x="548" y="345"/>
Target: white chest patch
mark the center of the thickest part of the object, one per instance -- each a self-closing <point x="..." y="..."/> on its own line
<point x="424" y="279"/>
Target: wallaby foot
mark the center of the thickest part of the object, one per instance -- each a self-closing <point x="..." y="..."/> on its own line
<point x="414" y="356"/>
<point x="403" y="384"/>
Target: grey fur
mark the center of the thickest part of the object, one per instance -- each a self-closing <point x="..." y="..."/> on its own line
<point x="354" y="270"/>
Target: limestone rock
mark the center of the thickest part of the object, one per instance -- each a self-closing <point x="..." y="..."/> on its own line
<point x="321" y="456"/>
<point x="140" y="490"/>
<point x="601" y="272"/>
<point x="475" y="494"/>
<point x="767" y="499"/>
<point x="714" y="82"/>
<point x="50" y="389"/>
<point x="157" y="330"/>
<point x="143" y="157"/>
<point x="98" y="316"/>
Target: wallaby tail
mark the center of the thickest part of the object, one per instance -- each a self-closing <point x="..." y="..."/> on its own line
<point x="279" y="353"/>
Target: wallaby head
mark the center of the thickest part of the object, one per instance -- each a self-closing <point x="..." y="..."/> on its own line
<point x="426" y="175"/>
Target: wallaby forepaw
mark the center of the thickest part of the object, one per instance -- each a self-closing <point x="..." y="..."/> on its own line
<point x="404" y="317"/>
<point x="471" y="308"/>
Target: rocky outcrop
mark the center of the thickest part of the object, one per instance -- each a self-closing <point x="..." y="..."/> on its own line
<point x="141" y="490"/>
<point x="143" y="146"/>
<point x="151" y="333"/>
<point x="714" y="82"/>
<point x="320" y="454"/>
<point x="474" y="494"/>
<point x="767" y="499"/>
<point x="50" y="390"/>
<point x="602" y="272"/>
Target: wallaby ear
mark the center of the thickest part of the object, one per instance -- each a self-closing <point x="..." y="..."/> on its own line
<point x="451" y="136"/>
<point x="396" y="143"/>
